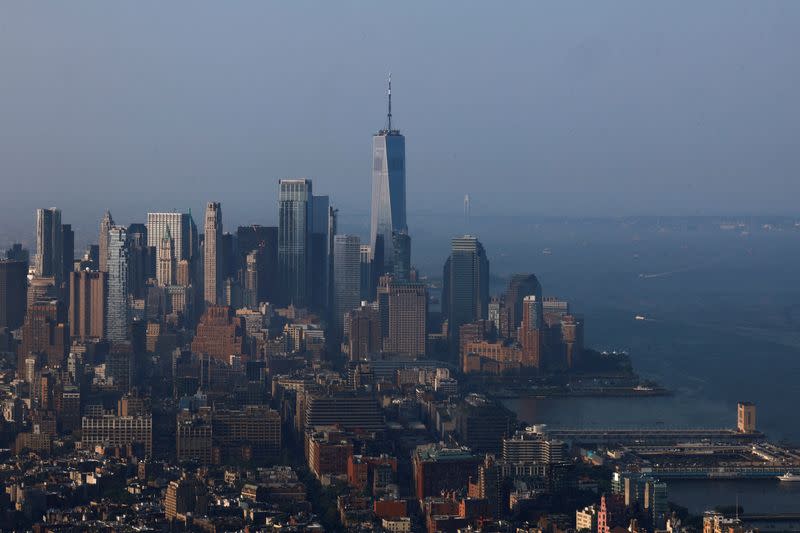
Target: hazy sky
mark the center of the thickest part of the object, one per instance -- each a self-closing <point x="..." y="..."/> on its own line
<point x="530" y="107"/>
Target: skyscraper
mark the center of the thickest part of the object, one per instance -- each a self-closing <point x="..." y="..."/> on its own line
<point x="388" y="187"/>
<point x="68" y="248"/>
<point x="408" y="309"/>
<point x="520" y="286"/>
<point x="212" y="260"/>
<point x="49" y="244"/>
<point x="181" y="229"/>
<point x="530" y="331"/>
<point x="346" y="277"/>
<point x="13" y="284"/>
<point x="102" y="240"/>
<point x="466" y="276"/>
<point x="367" y="289"/>
<point x="87" y="304"/>
<point x="117" y="310"/>
<point x="166" y="260"/>
<point x="401" y="260"/>
<point x="294" y="223"/>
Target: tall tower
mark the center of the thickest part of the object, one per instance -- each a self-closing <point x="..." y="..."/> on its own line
<point x="388" y="188"/>
<point x="117" y="309"/>
<point x="181" y="229"/>
<point x="49" y="250"/>
<point x="212" y="264"/>
<point x="466" y="276"/>
<point x="294" y="225"/>
<point x="102" y="240"/>
<point x="346" y="277"/>
<point x="166" y="260"/>
<point x="408" y="310"/>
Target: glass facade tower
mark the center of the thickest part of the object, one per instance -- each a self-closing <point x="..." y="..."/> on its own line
<point x="117" y="310"/>
<point x="294" y="213"/>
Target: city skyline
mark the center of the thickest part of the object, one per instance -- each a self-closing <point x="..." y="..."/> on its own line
<point x="578" y="124"/>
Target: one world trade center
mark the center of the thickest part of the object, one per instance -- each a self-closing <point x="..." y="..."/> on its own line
<point x="388" y="190"/>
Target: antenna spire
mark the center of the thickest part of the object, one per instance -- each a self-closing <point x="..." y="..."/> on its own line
<point x="389" y="94"/>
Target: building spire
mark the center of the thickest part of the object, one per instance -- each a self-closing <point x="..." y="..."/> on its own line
<point x="389" y="94"/>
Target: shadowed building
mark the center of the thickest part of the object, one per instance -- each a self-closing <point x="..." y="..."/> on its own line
<point x="87" y="304"/>
<point x="212" y="259"/>
<point x="13" y="289"/>
<point x="465" y="294"/>
<point x="220" y="334"/>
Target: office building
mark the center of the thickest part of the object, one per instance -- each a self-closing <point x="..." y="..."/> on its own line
<point x="346" y="278"/>
<point x="220" y="334"/>
<point x="45" y="335"/>
<point x="102" y="240"/>
<point x="41" y="289"/>
<point x="364" y="333"/>
<point x="49" y="245"/>
<point x="68" y="249"/>
<point x="401" y="258"/>
<point x="141" y="260"/>
<point x="13" y="292"/>
<point x="520" y="286"/>
<point x="367" y="287"/>
<point x="408" y="310"/>
<point x="167" y="265"/>
<point x="482" y="424"/>
<point x="117" y="307"/>
<point x="351" y="411"/>
<point x="87" y="304"/>
<point x="572" y="339"/>
<point x="181" y="229"/>
<point x="265" y="240"/>
<point x="437" y="468"/>
<point x="530" y="331"/>
<point x="293" y="240"/>
<point x="321" y="250"/>
<point x="253" y="266"/>
<point x="183" y="497"/>
<point x="212" y="254"/>
<point x="586" y="519"/>
<point x="251" y="432"/>
<point x="193" y="436"/>
<point x="465" y="294"/>
<point x="117" y="431"/>
<point x="388" y="212"/>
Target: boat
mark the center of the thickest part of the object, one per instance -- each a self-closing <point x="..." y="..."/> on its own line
<point x="789" y="476"/>
<point x="640" y="317"/>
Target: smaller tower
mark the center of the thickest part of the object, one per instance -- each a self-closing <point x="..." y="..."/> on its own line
<point x="166" y="259"/>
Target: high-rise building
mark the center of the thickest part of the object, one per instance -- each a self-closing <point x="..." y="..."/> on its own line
<point x="520" y="286"/>
<point x="49" y="244"/>
<point x="220" y="334"/>
<point x="212" y="258"/>
<point x="346" y="277"/>
<point x="167" y="264"/>
<point x="117" y="309"/>
<point x="321" y="251"/>
<point x="251" y="278"/>
<point x="265" y="240"/>
<point x="364" y="335"/>
<point x="141" y="261"/>
<point x="408" y="310"/>
<point x="68" y="249"/>
<point x="572" y="339"/>
<point x="181" y="229"/>
<point x="465" y="295"/>
<point x="401" y="259"/>
<point x="293" y="240"/>
<point x="367" y="289"/>
<point x="117" y="431"/>
<point x="87" y="304"/>
<point x="388" y="187"/>
<point x="530" y="331"/>
<point x="102" y="240"/>
<point x="13" y="285"/>
<point x="45" y="334"/>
